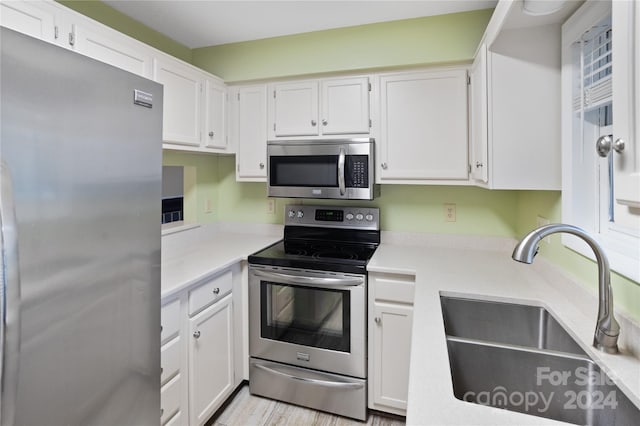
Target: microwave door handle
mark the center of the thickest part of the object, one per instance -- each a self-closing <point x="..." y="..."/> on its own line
<point x="341" y="183"/>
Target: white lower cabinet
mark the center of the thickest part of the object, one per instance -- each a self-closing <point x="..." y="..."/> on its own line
<point x="211" y="373"/>
<point x="390" y="322"/>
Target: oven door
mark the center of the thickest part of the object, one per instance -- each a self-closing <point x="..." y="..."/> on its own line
<point x="312" y="319"/>
<point x="319" y="169"/>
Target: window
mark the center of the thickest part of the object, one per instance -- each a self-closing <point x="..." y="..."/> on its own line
<point x="592" y="117"/>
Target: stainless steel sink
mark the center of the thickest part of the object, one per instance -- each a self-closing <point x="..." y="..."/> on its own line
<point x="519" y="358"/>
<point x="523" y="325"/>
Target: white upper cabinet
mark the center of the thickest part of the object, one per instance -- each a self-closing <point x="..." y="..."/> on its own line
<point x="423" y="127"/>
<point x="113" y="48"/>
<point x="625" y="17"/>
<point x="345" y="106"/>
<point x="35" y="19"/>
<point x="329" y="107"/>
<point x="215" y="110"/>
<point x="248" y="131"/>
<point x="182" y="118"/>
<point x="478" y="117"/>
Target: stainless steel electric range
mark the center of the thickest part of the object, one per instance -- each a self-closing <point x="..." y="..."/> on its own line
<point x="307" y="309"/>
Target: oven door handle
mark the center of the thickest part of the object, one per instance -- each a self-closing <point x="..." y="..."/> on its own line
<point x="341" y="179"/>
<point x="325" y="383"/>
<point x="309" y="281"/>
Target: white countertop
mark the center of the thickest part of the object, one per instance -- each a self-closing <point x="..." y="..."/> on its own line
<point x="484" y="269"/>
<point x="193" y="254"/>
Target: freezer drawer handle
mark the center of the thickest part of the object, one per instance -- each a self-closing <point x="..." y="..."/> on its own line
<point x="326" y="383"/>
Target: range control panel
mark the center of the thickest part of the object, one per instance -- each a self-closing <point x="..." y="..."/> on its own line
<point x="333" y="217"/>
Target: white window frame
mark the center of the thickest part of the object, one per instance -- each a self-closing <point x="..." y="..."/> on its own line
<point x="621" y="245"/>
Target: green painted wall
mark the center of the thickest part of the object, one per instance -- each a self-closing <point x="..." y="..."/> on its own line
<point x="430" y="40"/>
<point x="107" y="15"/>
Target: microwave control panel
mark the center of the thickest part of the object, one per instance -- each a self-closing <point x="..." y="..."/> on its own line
<point x="357" y="171"/>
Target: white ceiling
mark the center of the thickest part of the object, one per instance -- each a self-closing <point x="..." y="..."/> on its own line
<point x="208" y="23"/>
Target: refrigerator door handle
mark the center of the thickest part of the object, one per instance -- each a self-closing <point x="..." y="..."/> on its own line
<point x="9" y="299"/>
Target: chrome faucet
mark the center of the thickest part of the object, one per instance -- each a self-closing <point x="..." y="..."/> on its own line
<point x="607" y="329"/>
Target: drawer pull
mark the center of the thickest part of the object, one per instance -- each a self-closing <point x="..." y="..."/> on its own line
<point x="378" y="320"/>
<point x="216" y="291"/>
<point x="196" y="334"/>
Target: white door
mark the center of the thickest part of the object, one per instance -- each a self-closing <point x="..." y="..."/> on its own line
<point x="181" y="122"/>
<point x="478" y="117"/>
<point x="114" y="49"/>
<point x="345" y="106"/>
<point x="215" y="134"/>
<point x="210" y="359"/>
<point x="424" y="126"/>
<point x="392" y="350"/>
<point x="251" y="133"/>
<point x="295" y="109"/>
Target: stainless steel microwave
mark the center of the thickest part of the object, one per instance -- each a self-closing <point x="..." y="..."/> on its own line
<point x="336" y="169"/>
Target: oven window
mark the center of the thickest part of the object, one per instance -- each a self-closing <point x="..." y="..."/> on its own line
<point x="306" y="316"/>
<point x="307" y="170"/>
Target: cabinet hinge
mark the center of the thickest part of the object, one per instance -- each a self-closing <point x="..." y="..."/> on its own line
<point x="238" y="168"/>
<point x="369" y="123"/>
<point x="72" y="39"/>
<point x="469" y="169"/>
<point x="238" y="97"/>
<point x="274" y="127"/>
<point x="468" y="80"/>
<point x="55" y="32"/>
<point x="274" y="94"/>
<point x="369" y="86"/>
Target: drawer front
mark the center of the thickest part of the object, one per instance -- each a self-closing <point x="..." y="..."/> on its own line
<point x="170" y="319"/>
<point x="209" y="292"/>
<point x="170" y="359"/>
<point x="170" y="399"/>
<point x="394" y="288"/>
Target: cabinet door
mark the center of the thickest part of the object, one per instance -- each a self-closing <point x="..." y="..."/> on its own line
<point x="478" y="116"/>
<point x="210" y="360"/>
<point x="215" y="132"/>
<point x="626" y="116"/>
<point x="250" y="127"/>
<point x="181" y="122"/>
<point x="114" y="49"/>
<point x="345" y="106"/>
<point x="424" y="126"/>
<point x="392" y="350"/>
<point x="31" y="18"/>
<point x="295" y="109"/>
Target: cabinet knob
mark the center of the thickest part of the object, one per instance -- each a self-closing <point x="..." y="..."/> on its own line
<point x="262" y="165"/>
<point x="384" y="166"/>
<point x="211" y="134"/>
<point x="196" y="334"/>
<point x="313" y="122"/>
<point x="603" y="145"/>
<point x="377" y="320"/>
<point x="216" y="290"/>
<point x="618" y="145"/>
<point x="479" y="164"/>
<point x="324" y="122"/>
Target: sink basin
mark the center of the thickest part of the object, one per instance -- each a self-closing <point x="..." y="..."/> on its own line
<point x="523" y="325"/>
<point x="519" y="358"/>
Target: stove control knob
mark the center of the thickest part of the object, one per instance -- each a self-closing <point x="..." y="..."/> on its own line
<point x="369" y="217"/>
<point x="359" y="216"/>
<point x="291" y="214"/>
<point x="349" y="216"/>
<point x="300" y="214"/>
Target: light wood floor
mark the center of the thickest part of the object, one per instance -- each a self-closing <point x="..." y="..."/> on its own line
<point x="250" y="410"/>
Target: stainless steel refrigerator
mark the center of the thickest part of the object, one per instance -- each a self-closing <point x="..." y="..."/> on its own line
<point x="81" y="155"/>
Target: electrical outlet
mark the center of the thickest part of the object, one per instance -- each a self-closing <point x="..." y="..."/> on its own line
<point x="449" y="212"/>
<point x="271" y="206"/>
